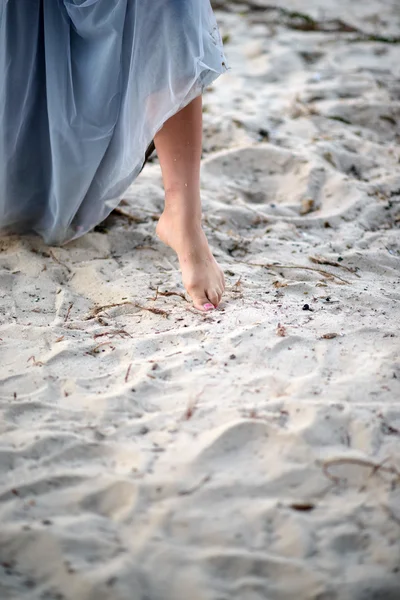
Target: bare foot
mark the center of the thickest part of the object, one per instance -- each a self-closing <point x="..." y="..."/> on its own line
<point x="201" y="275"/>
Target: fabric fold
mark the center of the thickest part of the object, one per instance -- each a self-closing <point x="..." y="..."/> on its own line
<point x="85" y="85"/>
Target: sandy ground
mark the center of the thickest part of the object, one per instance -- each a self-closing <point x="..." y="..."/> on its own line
<point x="148" y="452"/>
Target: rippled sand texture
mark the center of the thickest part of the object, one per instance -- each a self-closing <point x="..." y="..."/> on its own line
<point x="148" y="452"/>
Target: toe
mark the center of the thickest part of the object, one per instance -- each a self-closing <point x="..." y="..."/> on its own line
<point x="220" y="292"/>
<point x="214" y="296"/>
<point x="202" y="302"/>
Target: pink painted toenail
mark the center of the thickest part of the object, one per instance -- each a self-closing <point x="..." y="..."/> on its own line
<point x="208" y="306"/>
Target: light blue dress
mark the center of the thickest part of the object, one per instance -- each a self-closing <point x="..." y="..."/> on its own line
<point x="84" y="87"/>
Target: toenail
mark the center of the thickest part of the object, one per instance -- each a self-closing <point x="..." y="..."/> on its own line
<point x="208" y="306"/>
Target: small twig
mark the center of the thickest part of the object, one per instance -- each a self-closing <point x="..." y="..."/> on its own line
<point x="144" y="247"/>
<point x="155" y="311"/>
<point x="195" y="488"/>
<point x="191" y="407"/>
<point x="168" y="294"/>
<point x="128" y="216"/>
<point x="127" y="373"/>
<point x="37" y="363"/>
<point x="54" y="257"/>
<point x="68" y="311"/>
<point x="98" y="309"/>
<point x="376" y="467"/>
<point x="278" y="266"/>
<point x="112" y="334"/>
<point x="95" y="350"/>
<point x="236" y="286"/>
<point x="320" y="260"/>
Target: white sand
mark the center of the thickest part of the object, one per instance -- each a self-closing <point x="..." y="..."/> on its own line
<point x="171" y="455"/>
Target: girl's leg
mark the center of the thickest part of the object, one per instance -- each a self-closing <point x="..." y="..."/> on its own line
<point x="178" y="146"/>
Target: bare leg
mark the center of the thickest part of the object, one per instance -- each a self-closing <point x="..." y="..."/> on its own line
<point x="178" y="146"/>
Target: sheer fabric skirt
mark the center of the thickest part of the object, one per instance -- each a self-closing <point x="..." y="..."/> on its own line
<point x="84" y="87"/>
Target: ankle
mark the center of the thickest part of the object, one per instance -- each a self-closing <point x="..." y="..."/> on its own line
<point x="181" y="219"/>
<point x="181" y="232"/>
<point x="183" y="205"/>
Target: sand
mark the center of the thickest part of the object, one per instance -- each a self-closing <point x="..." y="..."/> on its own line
<point x="151" y="452"/>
